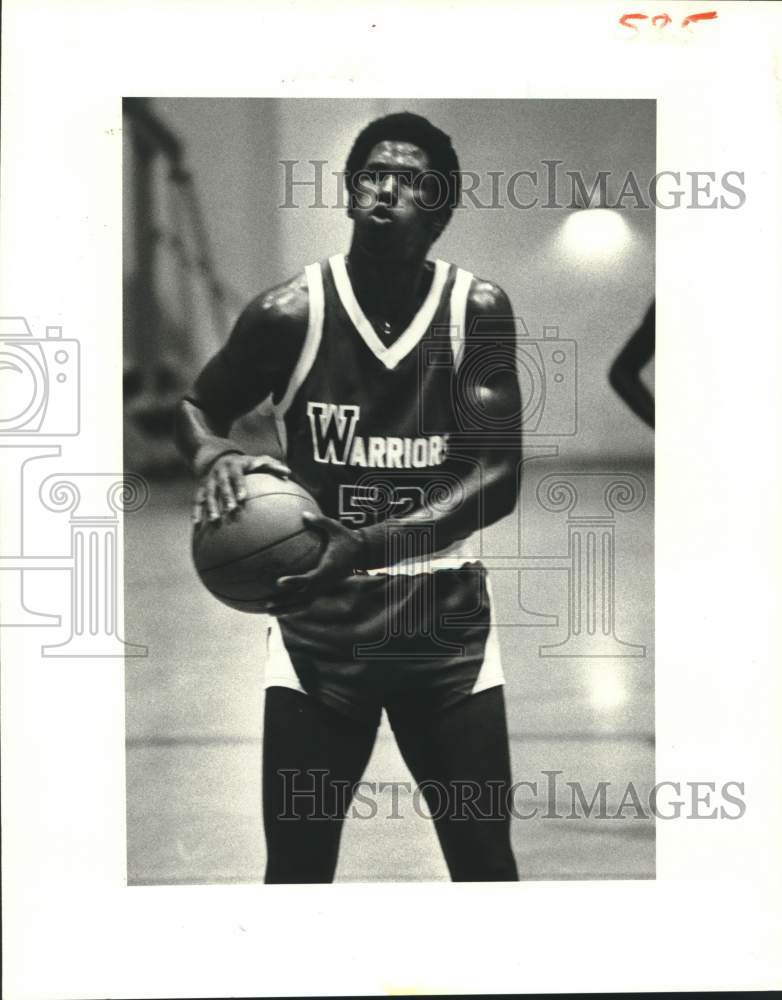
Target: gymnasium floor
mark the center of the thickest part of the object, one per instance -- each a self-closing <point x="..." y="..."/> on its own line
<point x="194" y="710"/>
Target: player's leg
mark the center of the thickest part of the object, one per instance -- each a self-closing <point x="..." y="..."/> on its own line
<point x="460" y="758"/>
<point x="313" y="756"/>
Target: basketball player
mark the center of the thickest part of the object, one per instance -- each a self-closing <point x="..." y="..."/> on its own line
<point x="397" y="405"/>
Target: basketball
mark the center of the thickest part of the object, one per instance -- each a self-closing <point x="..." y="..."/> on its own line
<point x="240" y="558"/>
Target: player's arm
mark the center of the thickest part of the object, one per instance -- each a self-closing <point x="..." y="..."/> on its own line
<point x="255" y="362"/>
<point x="625" y="373"/>
<point x="483" y="460"/>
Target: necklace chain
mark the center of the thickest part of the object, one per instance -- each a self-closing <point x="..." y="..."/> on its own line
<point x="387" y="331"/>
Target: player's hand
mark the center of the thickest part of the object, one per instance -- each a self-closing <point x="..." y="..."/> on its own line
<point x="223" y="488"/>
<point x="342" y="554"/>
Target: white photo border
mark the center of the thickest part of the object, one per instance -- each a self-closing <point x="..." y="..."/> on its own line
<point x="710" y="920"/>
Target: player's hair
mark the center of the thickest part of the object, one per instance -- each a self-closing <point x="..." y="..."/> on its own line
<point x="404" y="126"/>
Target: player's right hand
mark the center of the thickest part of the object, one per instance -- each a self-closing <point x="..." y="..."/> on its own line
<point x="223" y="489"/>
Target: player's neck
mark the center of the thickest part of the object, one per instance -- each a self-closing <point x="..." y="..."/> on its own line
<point x="388" y="288"/>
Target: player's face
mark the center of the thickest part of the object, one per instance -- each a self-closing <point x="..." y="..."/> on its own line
<point x="393" y="208"/>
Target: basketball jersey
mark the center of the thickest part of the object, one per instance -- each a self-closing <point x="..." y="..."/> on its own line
<point x="365" y="427"/>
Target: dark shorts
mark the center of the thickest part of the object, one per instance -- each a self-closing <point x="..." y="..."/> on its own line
<point x="383" y="641"/>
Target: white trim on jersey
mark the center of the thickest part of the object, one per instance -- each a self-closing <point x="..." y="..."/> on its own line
<point x="452" y="557"/>
<point x="317" y="310"/>
<point x="390" y="356"/>
<point x="458" y="314"/>
<point x="491" y="673"/>
<point x="279" y="670"/>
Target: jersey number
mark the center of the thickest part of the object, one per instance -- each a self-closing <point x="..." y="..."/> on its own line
<point x="363" y="505"/>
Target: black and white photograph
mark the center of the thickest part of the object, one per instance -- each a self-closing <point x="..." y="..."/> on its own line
<point x="389" y="578"/>
<point x="390" y="364"/>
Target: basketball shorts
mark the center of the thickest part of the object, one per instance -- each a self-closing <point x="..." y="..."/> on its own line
<point x="386" y="640"/>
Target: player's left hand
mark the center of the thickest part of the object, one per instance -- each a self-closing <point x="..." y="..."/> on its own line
<point x="342" y="554"/>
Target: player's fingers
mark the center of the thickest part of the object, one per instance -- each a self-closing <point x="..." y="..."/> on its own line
<point x="299" y="584"/>
<point x="280" y="611"/>
<point x="321" y="523"/>
<point x="279" y="608"/>
<point x="225" y="490"/>
<point x="266" y="463"/>
<point x="238" y="485"/>
<point x="210" y="499"/>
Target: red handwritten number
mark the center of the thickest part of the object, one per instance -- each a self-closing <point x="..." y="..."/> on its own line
<point x="625" y="19"/>
<point x="708" y="16"/>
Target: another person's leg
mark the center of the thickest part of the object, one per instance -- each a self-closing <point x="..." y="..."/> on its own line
<point x="460" y="759"/>
<point x="313" y="756"/>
